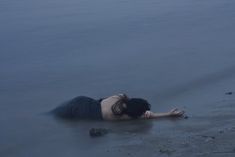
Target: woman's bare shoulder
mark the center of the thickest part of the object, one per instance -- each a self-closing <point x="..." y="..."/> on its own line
<point x="115" y="97"/>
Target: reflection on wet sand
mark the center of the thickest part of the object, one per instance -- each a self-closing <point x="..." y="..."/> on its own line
<point x="113" y="127"/>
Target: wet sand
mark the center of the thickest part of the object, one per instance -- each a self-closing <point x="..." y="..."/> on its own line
<point x="173" y="53"/>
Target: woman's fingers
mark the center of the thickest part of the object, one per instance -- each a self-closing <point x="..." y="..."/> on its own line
<point x="177" y="112"/>
<point x="180" y="113"/>
<point x="173" y="110"/>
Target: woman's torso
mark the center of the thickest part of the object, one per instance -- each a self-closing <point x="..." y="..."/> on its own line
<point x="106" y="107"/>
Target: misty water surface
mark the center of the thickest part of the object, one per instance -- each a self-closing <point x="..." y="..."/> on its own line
<point x="166" y="51"/>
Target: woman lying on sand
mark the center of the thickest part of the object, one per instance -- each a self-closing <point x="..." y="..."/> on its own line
<point x="117" y="107"/>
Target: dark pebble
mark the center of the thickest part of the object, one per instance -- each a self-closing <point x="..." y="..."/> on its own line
<point x="229" y="93"/>
<point x="97" y="132"/>
<point x="211" y="137"/>
<point x="221" y="131"/>
<point x="186" y="117"/>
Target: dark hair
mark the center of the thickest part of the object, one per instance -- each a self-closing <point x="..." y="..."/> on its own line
<point x="118" y="107"/>
<point x="135" y="107"/>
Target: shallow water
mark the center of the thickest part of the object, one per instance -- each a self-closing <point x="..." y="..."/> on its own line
<point x="173" y="53"/>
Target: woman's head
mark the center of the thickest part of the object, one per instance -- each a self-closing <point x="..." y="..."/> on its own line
<point x="135" y="107"/>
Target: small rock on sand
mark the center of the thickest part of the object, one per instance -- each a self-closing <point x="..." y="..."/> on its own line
<point x="229" y="93"/>
<point x="97" y="132"/>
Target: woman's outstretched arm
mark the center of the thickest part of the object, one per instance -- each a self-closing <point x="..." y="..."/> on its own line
<point x="173" y="113"/>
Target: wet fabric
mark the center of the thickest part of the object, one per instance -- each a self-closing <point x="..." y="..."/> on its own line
<point x="80" y="107"/>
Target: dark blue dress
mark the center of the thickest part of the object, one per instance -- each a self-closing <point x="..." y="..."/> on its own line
<point x="80" y="107"/>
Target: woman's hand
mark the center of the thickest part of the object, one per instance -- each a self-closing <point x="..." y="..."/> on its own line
<point x="148" y="114"/>
<point x="176" y="112"/>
